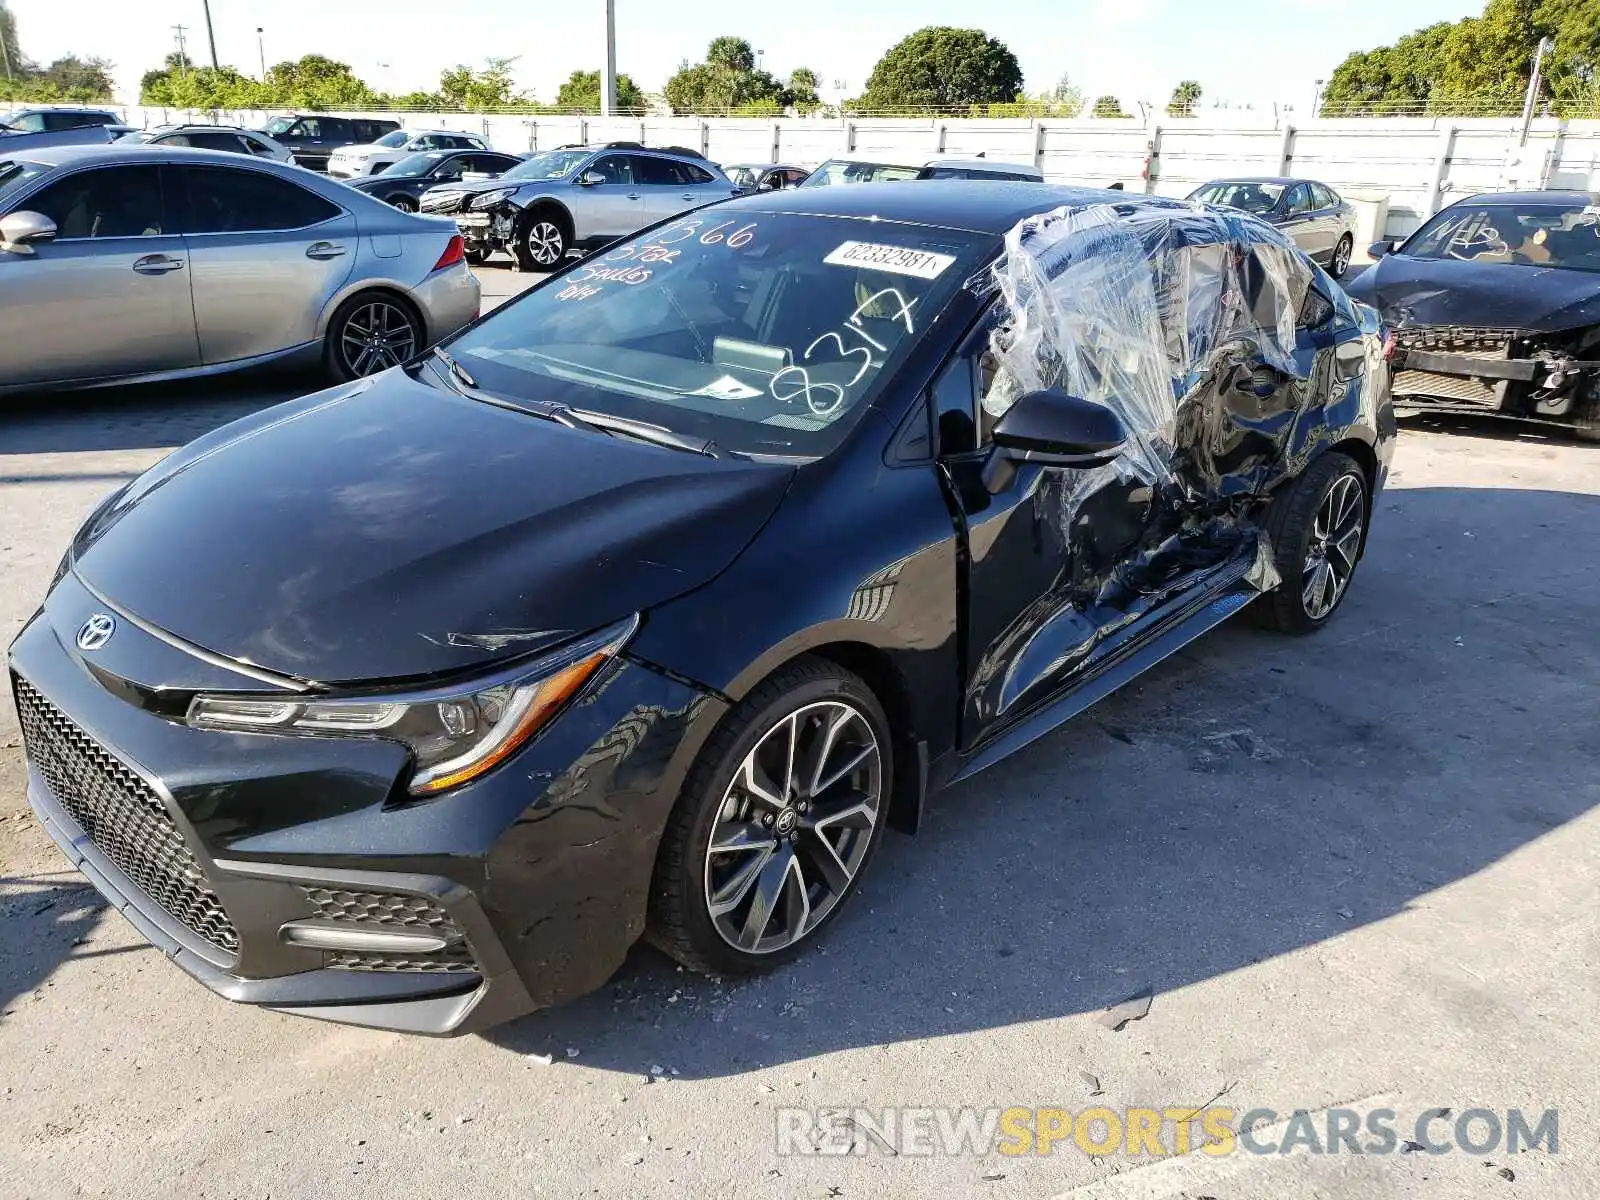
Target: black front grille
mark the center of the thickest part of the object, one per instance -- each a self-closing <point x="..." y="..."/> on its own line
<point x="391" y="910"/>
<point x="444" y="961"/>
<point x="122" y="816"/>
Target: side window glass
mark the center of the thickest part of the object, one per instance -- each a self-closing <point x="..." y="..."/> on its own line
<point x="998" y="390"/>
<point x="654" y="172"/>
<point x="32" y="123"/>
<point x="223" y="201"/>
<point x="113" y="202"/>
<point x="613" y="168"/>
<point x="953" y="410"/>
<point x="308" y="129"/>
<point x="1299" y="200"/>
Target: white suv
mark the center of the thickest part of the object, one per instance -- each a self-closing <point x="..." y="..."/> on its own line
<point x="350" y="161"/>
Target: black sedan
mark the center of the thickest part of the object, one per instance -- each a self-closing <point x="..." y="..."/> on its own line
<point x="1495" y="305"/>
<point x="647" y="603"/>
<point x="403" y="183"/>
<point x="1315" y="216"/>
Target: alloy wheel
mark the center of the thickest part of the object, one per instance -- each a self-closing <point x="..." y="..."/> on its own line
<point x="1341" y="257"/>
<point x="794" y="827"/>
<point x="377" y="335"/>
<point x="403" y="204"/>
<point x="1335" y="546"/>
<point x="545" y="245"/>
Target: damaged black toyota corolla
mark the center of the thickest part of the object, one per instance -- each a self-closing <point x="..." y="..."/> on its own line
<point x="646" y="605"/>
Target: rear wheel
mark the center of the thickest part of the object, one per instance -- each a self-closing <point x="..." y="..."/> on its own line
<point x="1340" y="263"/>
<point x="1316" y="530"/>
<point x="776" y="824"/>
<point x="404" y="203"/>
<point x="369" y="333"/>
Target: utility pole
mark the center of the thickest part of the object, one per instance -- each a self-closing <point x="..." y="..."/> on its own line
<point x="261" y="49"/>
<point x="210" y="36"/>
<point x="608" y="80"/>
<point x="183" y="57"/>
<point x="1534" y="81"/>
<point x="5" y="50"/>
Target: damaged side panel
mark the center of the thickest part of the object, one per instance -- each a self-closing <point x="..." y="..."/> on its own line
<point x="1230" y="360"/>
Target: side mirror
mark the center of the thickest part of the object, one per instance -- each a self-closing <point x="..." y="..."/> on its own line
<point x="591" y="179"/>
<point x="1053" y="429"/>
<point x="769" y="185"/>
<point x="20" y="230"/>
<point x="1381" y="249"/>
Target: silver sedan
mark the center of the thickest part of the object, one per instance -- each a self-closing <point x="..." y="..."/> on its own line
<point x="121" y="263"/>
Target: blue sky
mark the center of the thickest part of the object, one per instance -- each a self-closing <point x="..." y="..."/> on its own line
<point x="1239" y="50"/>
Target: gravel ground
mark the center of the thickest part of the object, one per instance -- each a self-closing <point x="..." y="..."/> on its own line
<point x="1356" y="870"/>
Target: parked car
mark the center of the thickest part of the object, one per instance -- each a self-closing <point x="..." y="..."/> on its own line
<point x="1495" y="306"/>
<point x="574" y="200"/>
<point x="348" y="161"/>
<point x="552" y="637"/>
<point x="1313" y="214"/>
<point x="313" y="137"/>
<point x="847" y="170"/>
<point x="763" y="177"/>
<point x="210" y="137"/>
<point x="403" y="184"/>
<point x="39" y="126"/>
<point x="980" y="168"/>
<point x="126" y="262"/>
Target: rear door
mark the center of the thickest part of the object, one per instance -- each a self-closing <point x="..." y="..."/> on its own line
<point x="1302" y="222"/>
<point x="110" y="295"/>
<point x="266" y="256"/>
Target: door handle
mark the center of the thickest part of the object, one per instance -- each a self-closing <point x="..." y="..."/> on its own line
<point x="324" y="250"/>
<point x="157" y="264"/>
<point x="689" y="196"/>
<point x="633" y="195"/>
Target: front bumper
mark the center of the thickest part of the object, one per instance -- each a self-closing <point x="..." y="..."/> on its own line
<point x="534" y="877"/>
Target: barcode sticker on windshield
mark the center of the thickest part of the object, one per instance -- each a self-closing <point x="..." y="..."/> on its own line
<point x="896" y="260"/>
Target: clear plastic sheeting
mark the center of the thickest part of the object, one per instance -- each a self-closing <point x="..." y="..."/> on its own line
<point x="1137" y="307"/>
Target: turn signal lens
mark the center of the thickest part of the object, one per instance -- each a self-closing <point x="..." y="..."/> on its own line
<point x="454" y="253"/>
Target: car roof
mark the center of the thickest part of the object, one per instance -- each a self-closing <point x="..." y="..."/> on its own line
<point x="113" y="154"/>
<point x="1284" y="180"/>
<point x="980" y="164"/>
<point x="990" y="206"/>
<point x="77" y="108"/>
<point x="1553" y="196"/>
<point x="450" y="132"/>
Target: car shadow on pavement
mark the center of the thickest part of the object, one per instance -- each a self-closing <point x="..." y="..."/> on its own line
<point x="1252" y="796"/>
<point x="45" y="915"/>
<point x="142" y="416"/>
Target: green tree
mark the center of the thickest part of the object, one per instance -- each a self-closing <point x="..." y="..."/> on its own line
<point x="1184" y="98"/>
<point x="16" y="68"/>
<point x="1108" y="106"/>
<point x="75" y="78"/>
<point x="942" y="67"/>
<point x="582" y="91"/>
<point x="726" y="81"/>
<point x="477" y="91"/>
<point x="318" y="83"/>
<point x="803" y="85"/>
<point x="1065" y="99"/>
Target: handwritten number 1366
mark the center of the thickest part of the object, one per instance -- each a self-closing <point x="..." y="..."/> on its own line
<point x="685" y="230"/>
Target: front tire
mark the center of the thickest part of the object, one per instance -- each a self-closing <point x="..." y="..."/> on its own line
<point x="404" y="203"/>
<point x="541" y="243"/>
<point x="776" y="824"/>
<point x="371" y="332"/>
<point x="1340" y="262"/>
<point x="1316" y="528"/>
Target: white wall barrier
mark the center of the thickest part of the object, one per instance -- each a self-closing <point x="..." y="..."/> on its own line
<point x="1421" y="164"/>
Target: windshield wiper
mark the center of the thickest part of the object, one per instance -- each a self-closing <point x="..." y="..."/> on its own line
<point x="658" y="435"/>
<point x="456" y="368"/>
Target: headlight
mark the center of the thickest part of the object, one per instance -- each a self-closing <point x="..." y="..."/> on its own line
<point x="490" y="199"/>
<point x="455" y="733"/>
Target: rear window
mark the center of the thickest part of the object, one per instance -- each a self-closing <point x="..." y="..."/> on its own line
<point x="838" y="171"/>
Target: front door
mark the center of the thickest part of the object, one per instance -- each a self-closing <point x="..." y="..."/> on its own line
<point x="613" y="206"/>
<point x="110" y="295"/>
<point x="1042" y="553"/>
<point x="267" y="256"/>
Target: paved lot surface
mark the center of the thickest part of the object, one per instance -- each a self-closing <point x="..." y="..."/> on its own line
<point x="1359" y="869"/>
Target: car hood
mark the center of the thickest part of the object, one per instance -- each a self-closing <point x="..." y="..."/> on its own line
<point x="1418" y="291"/>
<point x="389" y="530"/>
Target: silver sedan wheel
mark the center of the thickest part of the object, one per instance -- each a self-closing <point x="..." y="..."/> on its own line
<point x="794" y="827"/>
<point x="378" y="334"/>
<point x="1341" y="257"/>
<point x="545" y="244"/>
<point x="1335" y="546"/>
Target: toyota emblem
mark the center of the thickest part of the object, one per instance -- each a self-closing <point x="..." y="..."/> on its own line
<point x="96" y="632"/>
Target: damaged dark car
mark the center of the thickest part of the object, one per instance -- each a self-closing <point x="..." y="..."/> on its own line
<point x="1495" y="308"/>
<point x="644" y="606"/>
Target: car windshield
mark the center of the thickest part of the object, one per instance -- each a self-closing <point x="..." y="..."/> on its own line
<point x="1565" y="235"/>
<point x="840" y="171"/>
<point x="13" y="175"/>
<point x="552" y="165"/>
<point x="745" y="177"/>
<point x="764" y="333"/>
<point x="139" y="135"/>
<point x="1243" y="195"/>
<point x="280" y="125"/>
<point x="398" y="137"/>
<point x="413" y="166"/>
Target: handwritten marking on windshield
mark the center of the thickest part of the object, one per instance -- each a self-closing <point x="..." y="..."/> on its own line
<point x="824" y="398"/>
<point x="685" y="230"/>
